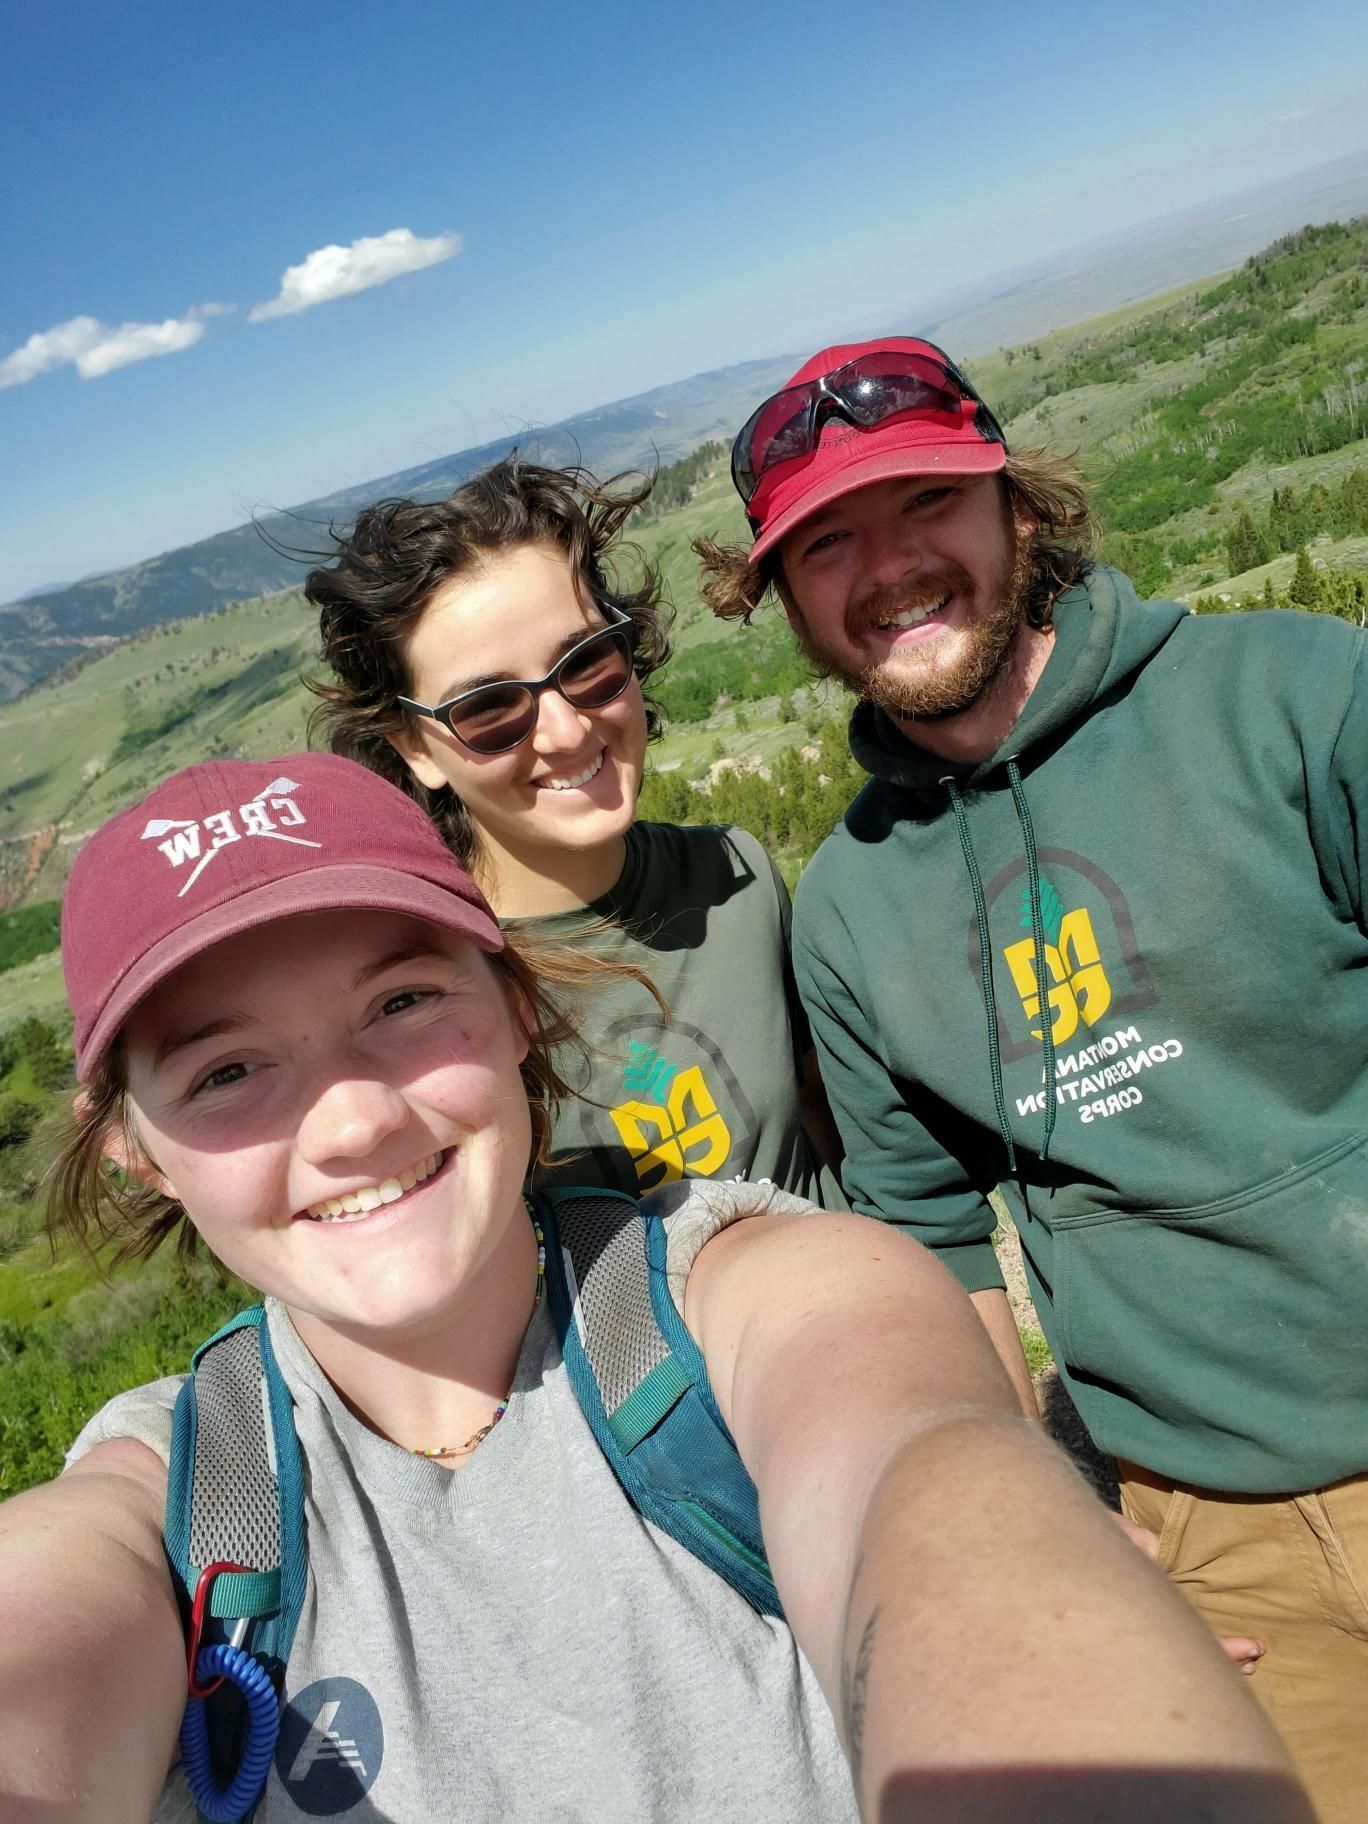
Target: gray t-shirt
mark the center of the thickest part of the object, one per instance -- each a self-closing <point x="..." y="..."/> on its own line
<point x="713" y="1093"/>
<point x="511" y="1643"/>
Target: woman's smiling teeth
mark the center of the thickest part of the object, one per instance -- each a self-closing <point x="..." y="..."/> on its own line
<point x="913" y="617"/>
<point x="356" y="1204"/>
<point x="569" y="781"/>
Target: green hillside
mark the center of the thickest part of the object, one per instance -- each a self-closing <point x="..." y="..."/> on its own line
<point x="1191" y="408"/>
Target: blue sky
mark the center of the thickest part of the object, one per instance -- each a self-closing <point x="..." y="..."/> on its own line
<point x="597" y="200"/>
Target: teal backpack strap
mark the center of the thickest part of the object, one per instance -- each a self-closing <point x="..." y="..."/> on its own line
<point x="235" y="1539"/>
<point x="642" y="1384"/>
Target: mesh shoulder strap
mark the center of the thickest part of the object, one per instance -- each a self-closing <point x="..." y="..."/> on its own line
<point x="235" y="1496"/>
<point x="642" y="1384"/>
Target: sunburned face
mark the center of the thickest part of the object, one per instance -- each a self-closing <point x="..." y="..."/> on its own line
<point x="571" y="788"/>
<point x="911" y="591"/>
<point x="335" y="1098"/>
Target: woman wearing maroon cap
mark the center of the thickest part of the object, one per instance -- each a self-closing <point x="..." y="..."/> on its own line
<point x="314" y="1052"/>
<point x="489" y="660"/>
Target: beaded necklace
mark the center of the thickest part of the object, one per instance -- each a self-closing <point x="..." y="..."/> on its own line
<point x="478" y="1437"/>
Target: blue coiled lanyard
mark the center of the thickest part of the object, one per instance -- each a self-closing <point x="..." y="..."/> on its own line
<point x="208" y="1668"/>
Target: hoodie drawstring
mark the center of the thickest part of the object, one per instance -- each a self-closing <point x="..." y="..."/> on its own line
<point x="1038" y="936"/>
<point x="986" y="958"/>
<point x="985" y="968"/>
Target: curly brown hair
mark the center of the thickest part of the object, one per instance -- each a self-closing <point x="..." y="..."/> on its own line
<point x="400" y="552"/>
<point x="97" y="1205"/>
<point x="1037" y="485"/>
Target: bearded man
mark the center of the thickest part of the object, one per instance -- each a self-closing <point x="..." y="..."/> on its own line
<point x="1094" y="932"/>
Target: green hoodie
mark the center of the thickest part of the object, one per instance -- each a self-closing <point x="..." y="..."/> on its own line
<point x="1180" y="821"/>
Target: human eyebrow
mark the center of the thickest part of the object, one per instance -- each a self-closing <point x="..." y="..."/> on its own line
<point x="174" y="1042"/>
<point x="417" y="952"/>
<point x="814" y="525"/>
<point x="463" y="687"/>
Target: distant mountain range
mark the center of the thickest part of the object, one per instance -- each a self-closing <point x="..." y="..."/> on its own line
<point x="43" y="631"/>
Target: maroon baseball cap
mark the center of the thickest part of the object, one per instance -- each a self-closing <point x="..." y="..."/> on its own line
<point x="963" y="440"/>
<point x="234" y="844"/>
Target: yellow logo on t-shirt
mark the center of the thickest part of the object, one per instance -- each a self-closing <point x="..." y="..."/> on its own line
<point x="1080" y="991"/>
<point x="678" y="1130"/>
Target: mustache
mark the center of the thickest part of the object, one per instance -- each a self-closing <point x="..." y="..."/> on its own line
<point x="880" y="605"/>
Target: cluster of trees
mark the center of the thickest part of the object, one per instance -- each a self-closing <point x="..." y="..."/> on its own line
<point x="269" y="675"/>
<point x="1208" y="431"/>
<point x="747" y="664"/>
<point x="1253" y="300"/>
<point x="1294" y="517"/>
<point x="677" y="484"/>
<point x="144" y="727"/>
<point x="61" y="1365"/>
<point x="1278" y="380"/>
<point x="1318" y="591"/>
<point x="29" y="931"/>
<point x="792" y="810"/>
<point x="35" y="1062"/>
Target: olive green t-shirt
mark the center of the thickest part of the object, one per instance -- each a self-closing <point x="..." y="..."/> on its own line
<point x="713" y="1092"/>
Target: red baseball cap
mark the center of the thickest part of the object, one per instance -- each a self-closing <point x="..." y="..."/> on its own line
<point x="965" y="441"/>
<point x="234" y="844"/>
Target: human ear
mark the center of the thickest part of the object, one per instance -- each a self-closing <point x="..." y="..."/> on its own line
<point x="521" y="1016"/>
<point x="120" y="1145"/>
<point x="1018" y="513"/>
<point x="519" y="1010"/>
<point x="792" y="613"/>
<point x="412" y="750"/>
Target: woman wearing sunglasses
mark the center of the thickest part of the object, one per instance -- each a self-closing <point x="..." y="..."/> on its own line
<point x="487" y="658"/>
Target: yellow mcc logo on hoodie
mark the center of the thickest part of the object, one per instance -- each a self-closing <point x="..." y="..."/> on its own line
<point x="1079" y="991"/>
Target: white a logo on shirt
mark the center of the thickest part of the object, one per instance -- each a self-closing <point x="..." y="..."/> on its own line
<point x="323" y="1743"/>
<point x="270" y="813"/>
<point x="331" y="1747"/>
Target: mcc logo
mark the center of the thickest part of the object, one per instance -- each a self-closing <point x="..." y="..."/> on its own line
<point x="1093" y="966"/>
<point x="683" y="1115"/>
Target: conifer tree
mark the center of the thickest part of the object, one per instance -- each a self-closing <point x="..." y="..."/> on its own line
<point x="1305" y="591"/>
<point x="1246" y="546"/>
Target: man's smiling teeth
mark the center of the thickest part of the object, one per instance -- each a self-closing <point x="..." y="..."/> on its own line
<point x="571" y="780"/>
<point x="913" y="617"/>
<point x="360" y="1203"/>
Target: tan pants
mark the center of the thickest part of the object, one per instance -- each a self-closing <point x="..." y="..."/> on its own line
<point x="1293" y="1572"/>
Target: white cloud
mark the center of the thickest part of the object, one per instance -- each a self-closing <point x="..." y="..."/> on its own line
<point x="94" y="348"/>
<point x="50" y="348"/>
<point x="336" y="272"/>
<point x="138" y="342"/>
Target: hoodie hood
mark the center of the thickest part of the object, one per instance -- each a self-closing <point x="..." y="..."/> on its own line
<point x="1103" y="634"/>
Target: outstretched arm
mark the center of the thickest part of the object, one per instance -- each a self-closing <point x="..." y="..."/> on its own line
<point x="92" y="1664"/>
<point x="899" y="1484"/>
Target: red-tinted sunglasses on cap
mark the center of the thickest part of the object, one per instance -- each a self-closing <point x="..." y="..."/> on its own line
<point x="884" y="384"/>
